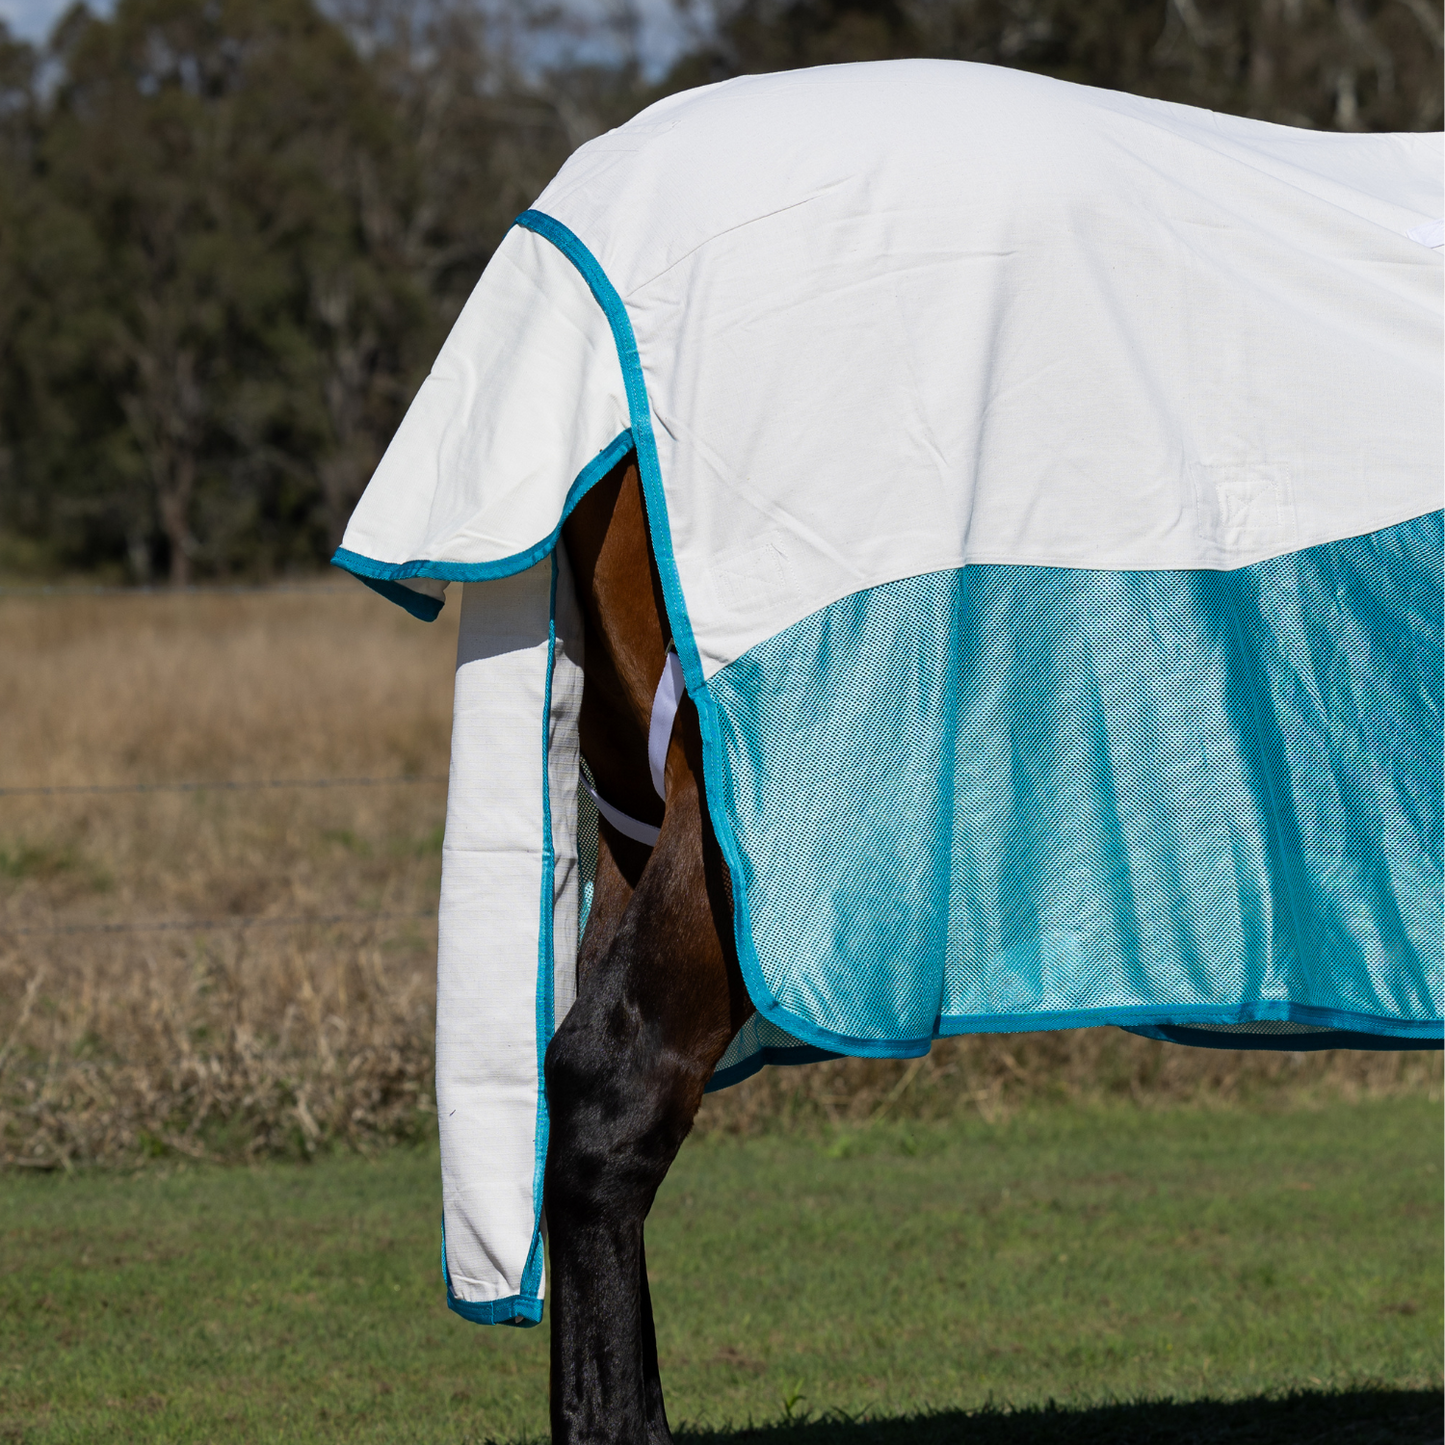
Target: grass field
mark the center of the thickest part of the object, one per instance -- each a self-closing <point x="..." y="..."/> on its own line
<point x="831" y="1289"/>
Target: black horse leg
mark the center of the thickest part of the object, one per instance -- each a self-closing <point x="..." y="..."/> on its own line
<point x="654" y="1411"/>
<point x="625" y="1075"/>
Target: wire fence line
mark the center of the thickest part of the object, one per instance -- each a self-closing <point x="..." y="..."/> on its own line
<point x="199" y="925"/>
<point x="202" y="925"/>
<point x="238" y="589"/>
<point x="227" y="785"/>
<point x="244" y="785"/>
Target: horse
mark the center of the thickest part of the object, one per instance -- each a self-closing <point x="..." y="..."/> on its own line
<point x="660" y="994"/>
<point x="1108" y="644"/>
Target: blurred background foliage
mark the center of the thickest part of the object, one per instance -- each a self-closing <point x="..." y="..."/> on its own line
<point x="234" y="232"/>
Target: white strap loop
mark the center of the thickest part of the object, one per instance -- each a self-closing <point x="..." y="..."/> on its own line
<point x="629" y="827"/>
<point x="664" y="713"/>
<point x="665" y="702"/>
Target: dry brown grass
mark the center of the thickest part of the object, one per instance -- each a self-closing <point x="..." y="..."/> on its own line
<point x="994" y="1074"/>
<point x="233" y="1042"/>
<point x="224" y="1041"/>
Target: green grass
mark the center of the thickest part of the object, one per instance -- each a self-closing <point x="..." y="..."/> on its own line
<point x="1219" y="1259"/>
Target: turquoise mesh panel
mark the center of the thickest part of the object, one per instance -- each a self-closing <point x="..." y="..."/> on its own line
<point x="1029" y="797"/>
<point x="586" y="849"/>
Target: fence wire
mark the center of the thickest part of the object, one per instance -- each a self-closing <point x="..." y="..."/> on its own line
<point x="203" y="925"/>
<point x="86" y="589"/>
<point x="228" y="785"/>
<point x="200" y="925"/>
<point x="244" y="785"/>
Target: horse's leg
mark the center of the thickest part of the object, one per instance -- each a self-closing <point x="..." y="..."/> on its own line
<point x="611" y="893"/>
<point x="610" y="896"/>
<point x="625" y="1075"/>
<point x="654" y="1410"/>
<point x="659" y="993"/>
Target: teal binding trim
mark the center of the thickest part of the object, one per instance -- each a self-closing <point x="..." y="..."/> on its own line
<point x="425" y="608"/>
<point x="746" y="1068"/>
<point x="1293" y="1043"/>
<point x="515" y="1310"/>
<point x="546" y="961"/>
<point x="384" y="577"/>
<point x="1410" y="1034"/>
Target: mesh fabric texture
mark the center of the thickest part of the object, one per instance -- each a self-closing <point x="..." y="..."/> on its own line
<point x="1008" y="797"/>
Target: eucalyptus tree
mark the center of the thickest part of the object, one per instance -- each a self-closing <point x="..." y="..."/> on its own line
<point x="214" y="154"/>
<point x="19" y="111"/>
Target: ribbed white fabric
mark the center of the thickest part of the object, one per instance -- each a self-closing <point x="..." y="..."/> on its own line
<point x="491" y="916"/>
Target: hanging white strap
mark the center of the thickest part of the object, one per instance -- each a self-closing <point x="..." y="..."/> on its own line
<point x="629" y="827"/>
<point x="665" y="702"/>
<point x="664" y="713"/>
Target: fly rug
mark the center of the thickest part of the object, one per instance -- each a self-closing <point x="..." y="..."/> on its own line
<point x="976" y="540"/>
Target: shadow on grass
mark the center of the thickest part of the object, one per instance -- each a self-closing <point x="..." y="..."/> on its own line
<point x="1356" y="1417"/>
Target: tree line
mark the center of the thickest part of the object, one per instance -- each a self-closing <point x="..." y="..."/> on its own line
<point x="234" y="232"/>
